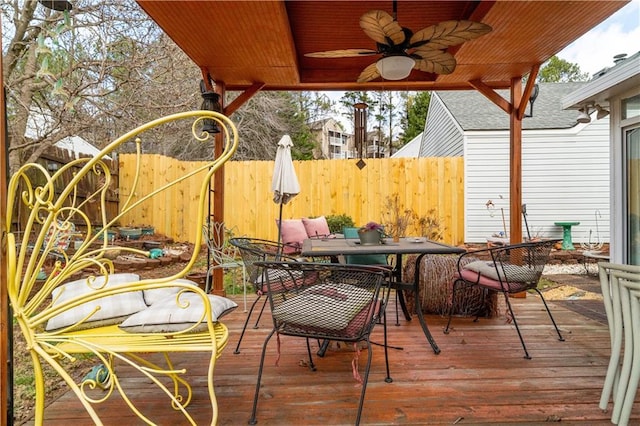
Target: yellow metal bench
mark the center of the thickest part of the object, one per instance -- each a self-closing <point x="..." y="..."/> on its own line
<point x="54" y="201"/>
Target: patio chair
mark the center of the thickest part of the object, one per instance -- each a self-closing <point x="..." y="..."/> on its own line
<point x="613" y="387"/>
<point x="254" y="250"/>
<point x="326" y="301"/>
<point x="377" y="260"/>
<point x="223" y="255"/>
<point x="629" y="286"/>
<point x="512" y="269"/>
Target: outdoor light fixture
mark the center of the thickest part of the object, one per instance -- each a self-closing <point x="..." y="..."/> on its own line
<point x="395" y="67"/>
<point x="59" y="5"/>
<point x="210" y="102"/>
<point x="532" y="99"/>
<point x="583" y="115"/>
<point x="602" y="113"/>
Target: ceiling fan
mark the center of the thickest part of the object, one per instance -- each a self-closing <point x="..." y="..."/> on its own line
<point x="403" y="50"/>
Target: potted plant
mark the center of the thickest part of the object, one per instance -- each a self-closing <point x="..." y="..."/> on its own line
<point x="371" y="233"/>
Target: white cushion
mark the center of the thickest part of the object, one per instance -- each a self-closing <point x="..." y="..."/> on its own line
<point x="177" y="313"/>
<point x="325" y="306"/>
<point x="515" y="273"/>
<point x="154" y="295"/>
<point x="108" y="310"/>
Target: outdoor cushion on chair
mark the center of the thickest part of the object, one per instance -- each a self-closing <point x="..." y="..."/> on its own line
<point x="96" y="313"/>
<point x="293" y="233"/>
<point x="178" y="313"/>
<point x="514" y="273"/>
<point x="316" y="227"/>
<point x="152" y="296"/>
<point x="309" y="308"/>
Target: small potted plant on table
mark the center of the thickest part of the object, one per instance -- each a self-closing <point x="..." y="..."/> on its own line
<point x="371" y="233"/>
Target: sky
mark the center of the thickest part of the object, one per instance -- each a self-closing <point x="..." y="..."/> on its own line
<point x="620" y="33"/>
<point x="595" y="50"/>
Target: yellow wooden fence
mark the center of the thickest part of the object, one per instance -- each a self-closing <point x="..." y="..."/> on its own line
<point x="423" y="185"/>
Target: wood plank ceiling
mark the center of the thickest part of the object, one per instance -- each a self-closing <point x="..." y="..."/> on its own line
<point x="247" y="42"/>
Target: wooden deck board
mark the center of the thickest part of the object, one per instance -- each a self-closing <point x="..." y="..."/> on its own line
<point x="480" y="377"/>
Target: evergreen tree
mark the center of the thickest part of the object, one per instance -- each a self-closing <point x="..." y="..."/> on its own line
<point x="414" y="121"/>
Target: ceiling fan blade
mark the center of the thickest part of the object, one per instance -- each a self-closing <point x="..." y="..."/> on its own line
<point x="381" y="27"/>
<point x="435" y="61"/>
<point x="343" y="53"/>
<point x="369" y="73"/>
<point x="448" y="33"/>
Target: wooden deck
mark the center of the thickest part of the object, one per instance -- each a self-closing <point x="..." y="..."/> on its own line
<point x="480" y="377"/>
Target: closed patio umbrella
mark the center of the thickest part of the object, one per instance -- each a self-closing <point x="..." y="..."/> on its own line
<point x="285" y="184"/>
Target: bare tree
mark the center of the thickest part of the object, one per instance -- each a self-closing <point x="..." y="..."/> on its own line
<point x="104" y="68"/>
<point x="77" y="72"/>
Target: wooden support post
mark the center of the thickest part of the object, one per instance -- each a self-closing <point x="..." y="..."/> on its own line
<point x="515" y="168"/>
<point x="515" y="164"/>
<point x="218" y="198"/>
<point x="6" y="414"/>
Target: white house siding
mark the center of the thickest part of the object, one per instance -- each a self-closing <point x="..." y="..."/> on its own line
<point x="442" y="136"/>
<point x="565" y="177"/>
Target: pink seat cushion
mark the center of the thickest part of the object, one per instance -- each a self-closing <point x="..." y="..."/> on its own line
<point x="293" y="233"/>
<point x="481" y="280"/>
<point x="316" y="227"/>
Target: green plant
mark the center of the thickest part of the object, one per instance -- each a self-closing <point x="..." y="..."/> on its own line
<point x="337" y="222"/>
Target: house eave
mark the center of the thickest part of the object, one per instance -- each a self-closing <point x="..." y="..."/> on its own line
<point x="620" y="79"/>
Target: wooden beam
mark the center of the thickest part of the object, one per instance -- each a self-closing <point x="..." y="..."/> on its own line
<point x="526" y="95"/>
<point x="492" y="95"/>
<point x="515" y="164"/>
<point x="242" y="98"/>
<point x="206" y="77"/>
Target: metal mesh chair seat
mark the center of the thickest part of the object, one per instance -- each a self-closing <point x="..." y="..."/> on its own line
<point x="326" y="301"/>
<point x="511" y="269"/>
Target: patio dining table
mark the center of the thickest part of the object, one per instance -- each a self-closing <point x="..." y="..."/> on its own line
<point x="409" y="245"/>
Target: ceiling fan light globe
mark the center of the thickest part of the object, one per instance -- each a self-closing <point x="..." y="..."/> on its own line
<point x="395" y="67"/>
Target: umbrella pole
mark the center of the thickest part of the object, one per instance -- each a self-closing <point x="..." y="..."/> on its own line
<point x="279" y="232"/>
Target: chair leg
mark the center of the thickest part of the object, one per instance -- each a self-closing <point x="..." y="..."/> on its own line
<point x="515" y="322"/>
<point x="260" y="315"/>
<point x="387" y="379"/>
<point x="365" y="379"/>
<point x="244" y="327"/>
<point x="253" y="420"/>
<point x="550" y="316"/>
<point x="482" y="309"/>
<point x="453" y="297"/>
<point x="312" y="366"/>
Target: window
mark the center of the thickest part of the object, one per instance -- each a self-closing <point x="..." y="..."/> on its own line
<point x="631" y="107"/>
<point x="632" y="164"/>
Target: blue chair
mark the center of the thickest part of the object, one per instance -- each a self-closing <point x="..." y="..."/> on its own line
<point x="372" y="259"/>
<point x="362" y="259"/>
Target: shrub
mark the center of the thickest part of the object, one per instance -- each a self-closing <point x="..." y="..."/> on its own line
<point x="337" y="222"/>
